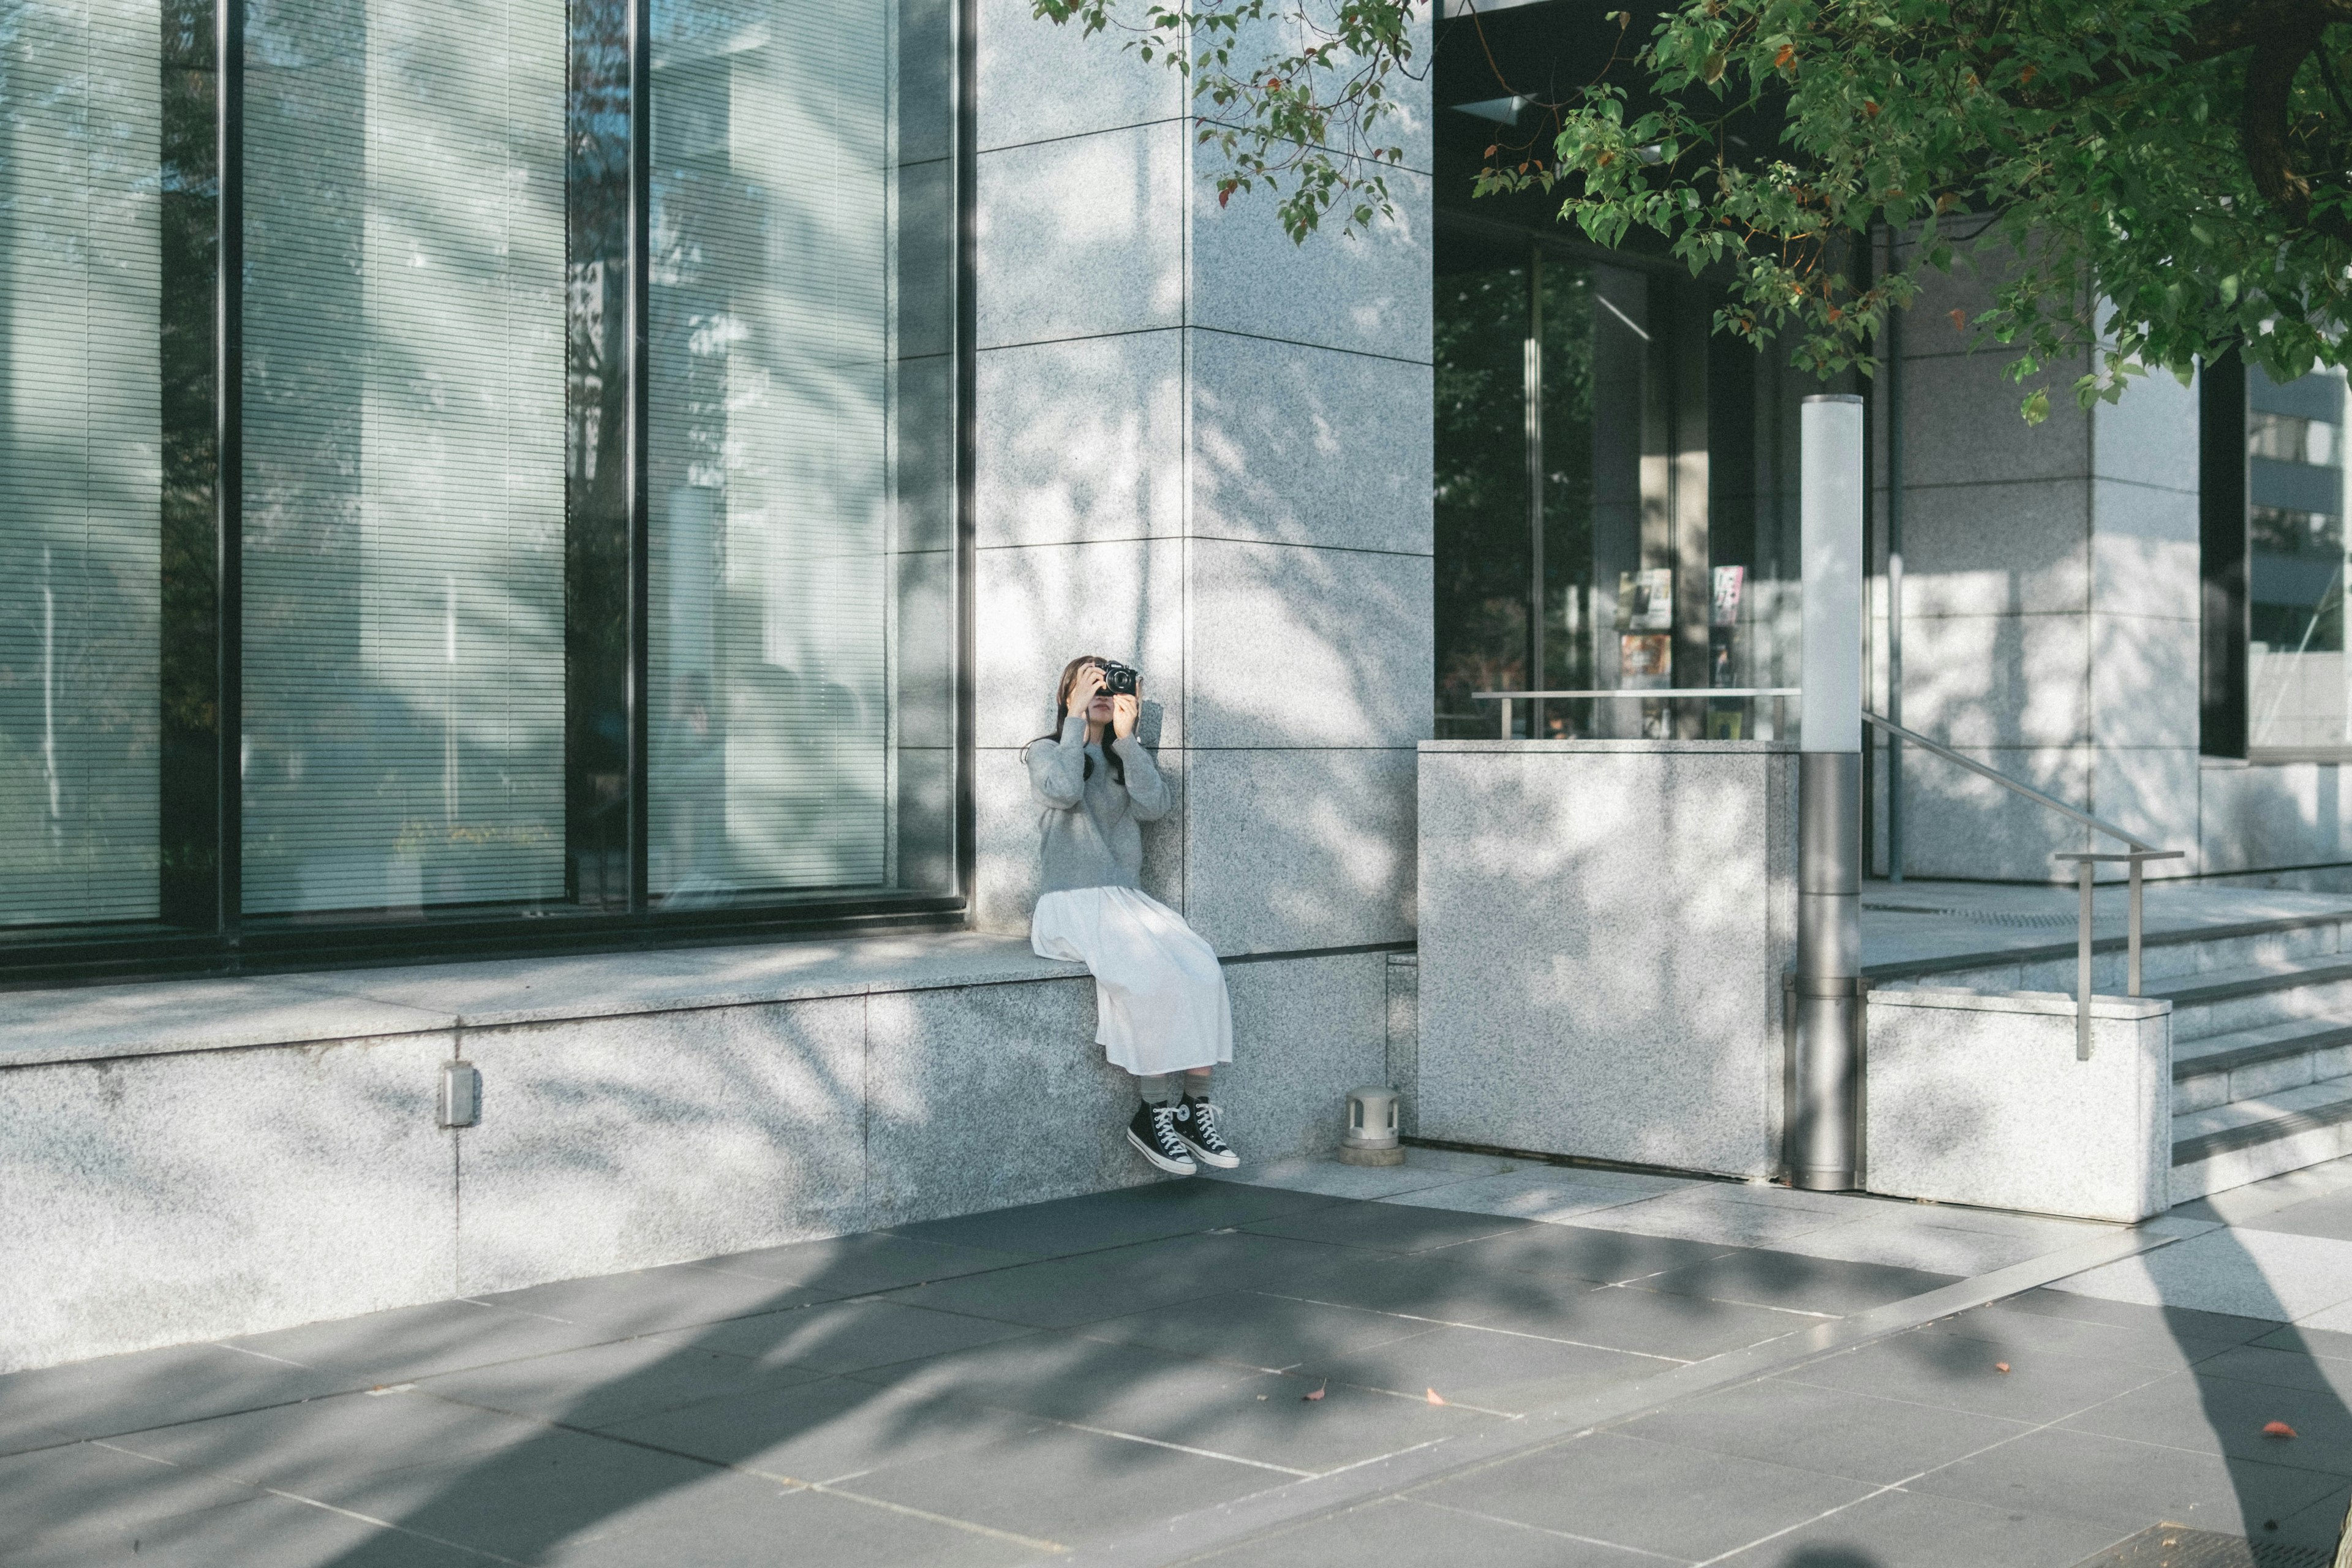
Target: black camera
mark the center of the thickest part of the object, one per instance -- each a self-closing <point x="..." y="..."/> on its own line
<point x="1118" y="681"/>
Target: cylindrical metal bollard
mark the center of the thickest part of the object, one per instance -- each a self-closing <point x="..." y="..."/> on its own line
<point x="1821" y="1145"/>
<point x="1370" y="1138"/>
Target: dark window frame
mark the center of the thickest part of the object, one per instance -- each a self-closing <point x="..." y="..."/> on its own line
<point x="203" y="928"/>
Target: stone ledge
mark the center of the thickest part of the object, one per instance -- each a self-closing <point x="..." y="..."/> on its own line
<point x="1646" y="748"/>
<point x="2053" y="1002"/>
<point x="162" y="1017"/>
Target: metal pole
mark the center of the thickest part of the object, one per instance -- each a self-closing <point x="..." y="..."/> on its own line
<point x="1822" y="1150"/>
<point x="1893" y="584"/>
<point x="2084" y="871"/>
<point x="2133" y="940"/>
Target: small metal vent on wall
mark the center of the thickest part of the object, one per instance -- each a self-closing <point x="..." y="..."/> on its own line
<point x="2177" y="1546"/>
<point x="1977" y="917"/>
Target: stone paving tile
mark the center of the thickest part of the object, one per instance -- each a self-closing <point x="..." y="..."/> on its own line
<point x="409" y="1342"/>
<point x="801" y="1526"/>
<point x="2328" y="1216"/>
<point x="2186" y="1322"/>
<point x="1723" y="1214"/>
<point x="560" y="1487"/>
<point x="1425" y="1169"/>
<point x="858" y="1264"/>
<point x="1406" y="1531"/>
<point x="2242" y="1272"/>
<point x="1908" y="1243"/>
<point x="148" y="1388"/>
<point x="1063" y="1485"/>
<point x="2011" y="1333"/>
<point x="1132" y="1389"/>
<point x="303" y="1447"/>
<point x="84" y="1490"/>
<point x="2129" y="1486"/>
<point x="1253" y="1330"/>
<point x="824" y="1432"/>
<point x="2222" y="1415"/>
<point x="1120" y="1218"/>
<point x="1903" y="1530"/>
<point x="1116" y="1282"/>
<point x="1656" y="1497"/>
<point x="1830" y="1431"/>
<point x="1559" y="1251"/>
<point x="603" y="1384"/>
<point x="2323" y="1522"/>
<point x="1796" y="1282"/>
<point x="2336" y="1320"/>
<point x="1484" y="1367"/>
<point x="1549" y="1196"/>
<point x="2282" y="1368"/>
<point x="2309" y="1339"/>
<point x="1387" y="1228"/>
<point x="646" y="1300"/>
<point x="1929" y="1366"/>
<point x="266" y="1533"/>
<point x="845" y="1336"/>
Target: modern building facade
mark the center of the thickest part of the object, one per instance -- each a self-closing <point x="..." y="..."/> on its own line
<point x="535" y="534"/>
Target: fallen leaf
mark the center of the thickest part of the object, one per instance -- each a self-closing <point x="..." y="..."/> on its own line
<point x="1436" y="1397"/>
<point x="1261" y="1396"/>
<point x="1318" y="1394"/>
<point x="2001" y="1366"/>
<point x="2277" y="1429"/>
<point x="1960" y="320"/>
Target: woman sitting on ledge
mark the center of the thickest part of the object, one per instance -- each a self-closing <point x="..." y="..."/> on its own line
<point x="1159" y="993"/>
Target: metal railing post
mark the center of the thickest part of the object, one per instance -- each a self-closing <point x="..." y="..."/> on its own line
<point x="2082" y="875"/>
<point x="2132" y="940"/>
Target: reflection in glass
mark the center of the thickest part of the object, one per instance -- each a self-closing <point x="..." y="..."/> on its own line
<point x="780" y="535"/>
<point x="80" y="440"/>
<point x="2296" y="675"/>
<point x="404" y="452"/>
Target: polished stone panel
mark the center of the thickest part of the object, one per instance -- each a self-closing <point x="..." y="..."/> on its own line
<point x="1039" y="81"/>
<point x="612" y="1144"/>
<point x="1297" y="646"/>
<point x="1291" y="849"/>
<point x="1995" y="546"/>
<point x="2149" y="436"/>
<point x="1605" y="925"/>
<point x="1369" y="291"/>
<point x="2144" y="550"/>
<point x="1081" y="439"/>
<point x="1040" y="606"/>
<point x="1997" y="681"/>
<point x="2144" y="675"/>
<point x="1978" y="1100"/>
<point x="1961" y="423"/>
<point x="950" y="1071"/>
<point x="1308" y="446"/>
<point x="154" y="1199"/>
<point x="1305" y="1031"/>
<point x="1083" y="236"/>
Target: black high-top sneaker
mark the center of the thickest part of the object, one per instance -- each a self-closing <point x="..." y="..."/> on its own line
<point x="1196" y="1129"/>
<point x="1153" y="1131"/>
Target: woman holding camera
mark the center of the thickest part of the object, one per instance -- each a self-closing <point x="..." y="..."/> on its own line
<point x="1160" y="994"/>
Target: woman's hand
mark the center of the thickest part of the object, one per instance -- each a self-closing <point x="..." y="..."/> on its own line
<point x="1083" y="688"/>
<point x="1123" y="712"/>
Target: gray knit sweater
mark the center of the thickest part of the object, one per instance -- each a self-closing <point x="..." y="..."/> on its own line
<point x="1089" y="822"/>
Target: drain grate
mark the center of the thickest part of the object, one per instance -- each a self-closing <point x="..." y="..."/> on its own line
<point x="2177" y="1546"/>
<point x="1977" y="916"/>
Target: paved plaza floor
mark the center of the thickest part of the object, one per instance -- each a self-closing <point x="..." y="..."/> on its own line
<point x="1466" y="1361"/>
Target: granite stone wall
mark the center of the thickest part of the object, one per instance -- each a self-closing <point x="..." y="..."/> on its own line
<point x="175" y="1186"/>
<point x="1205" y="451"/>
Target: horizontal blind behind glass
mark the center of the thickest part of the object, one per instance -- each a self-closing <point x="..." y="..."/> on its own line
<point x="80" y="458"/>
<point x="770" y="463"/>
<point x="404" y="452"/>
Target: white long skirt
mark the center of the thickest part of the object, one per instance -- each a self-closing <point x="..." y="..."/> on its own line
<point x="1159" y="993"/>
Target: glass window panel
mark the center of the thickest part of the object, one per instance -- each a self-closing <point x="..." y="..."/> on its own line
<point x="404" y="453"/>
<point x="796" y="721"/>
<point x="80" y="458"/>
<point x="2296" y="678"/>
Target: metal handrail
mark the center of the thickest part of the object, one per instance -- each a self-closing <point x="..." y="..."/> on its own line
<point x="1912" y="737"/>
<point x="2085" y="869"/>
<point x="1627" y="693"/>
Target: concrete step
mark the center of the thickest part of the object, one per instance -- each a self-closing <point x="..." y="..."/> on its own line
<point x="2227" y="1001"/>
<point x="2164" y="957"/>
<point x="2248" y="1063"/>
<point x="2248" y="1140"/>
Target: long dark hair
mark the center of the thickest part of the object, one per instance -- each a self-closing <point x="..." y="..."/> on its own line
<point x="1061" y="712"/>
